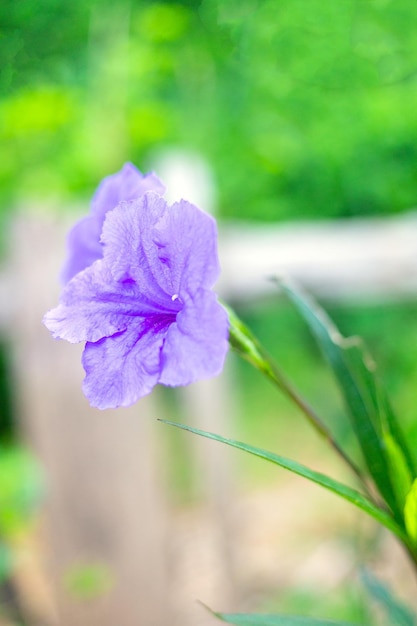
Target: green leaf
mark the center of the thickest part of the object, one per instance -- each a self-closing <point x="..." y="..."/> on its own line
<point x="400" y="472"/>
<point x="391" y="425"/>
<point x="400" y="461"/>
<point x="410" y="513"/>
<point x="382" y="412"/>
<point x="358" y="392"/>
<point x="241" y="619"/>
<point x="398" y="614"/>
<point x="345" y="492"/>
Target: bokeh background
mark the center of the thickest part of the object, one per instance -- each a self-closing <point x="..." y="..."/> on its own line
<point x="301" y="111"/>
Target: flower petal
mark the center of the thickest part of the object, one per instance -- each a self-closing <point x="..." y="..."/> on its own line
<point x="166" y="250"/>
<point x="130" y="250"/>
<point x="83" y="242"/>
<point x="187" y="242"/>
<point x="94" y="306"/>
<point x="197" y="343"/>
<point x="84" y="247"/>
<point x="127" y="184"/>
<point x="125" y="367"/>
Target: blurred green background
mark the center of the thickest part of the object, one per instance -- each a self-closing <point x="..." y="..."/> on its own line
<point x="304" y="109"/>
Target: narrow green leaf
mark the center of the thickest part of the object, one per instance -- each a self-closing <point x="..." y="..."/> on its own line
<point x="400" y="460"/>
<point x="381" y="409"/>
<point x="358" y="399"/>
<point x="393" y="427"/>
<point x="398" y="614"/>
<point x="400" y="472"/>
<point x="241" y="619"/>
<point x="349" y="494"/>
<point x="410" y="513"/>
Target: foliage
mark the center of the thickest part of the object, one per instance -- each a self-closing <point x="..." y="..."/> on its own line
<point x="301" y="133"/>
<point x="390" y="329"/>
<point x="350" y="495"/>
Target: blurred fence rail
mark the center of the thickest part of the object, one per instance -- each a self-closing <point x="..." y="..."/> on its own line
<point x="352" y="258"/>
<point x="343" y="259"/>
<point x="106" y="496"/>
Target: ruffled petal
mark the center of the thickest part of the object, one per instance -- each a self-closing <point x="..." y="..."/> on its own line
<point x="83" y="242"/>
<point x="94" y="306"/>
<point x="84" y="247"/>
<point x="166" y="250"/>
<point x="127" y="184"/>
<point x="187" y="241"/>
<point x="197" y="343"/>
<point x="130" y="249"/>
<point x="125" y="367"/>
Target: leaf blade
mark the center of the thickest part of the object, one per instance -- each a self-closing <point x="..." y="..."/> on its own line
<point x="401" y="476"/>
<point x="345" y="492"/>
<point x="242" y="619"/>
<point x="397" y="612"/>
<point x="410" y="513"/>
<point x="359" y="404"/>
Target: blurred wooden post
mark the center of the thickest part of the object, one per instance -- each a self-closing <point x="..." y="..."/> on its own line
<point x="104" y="507"/>
<point x="207" y="404"/>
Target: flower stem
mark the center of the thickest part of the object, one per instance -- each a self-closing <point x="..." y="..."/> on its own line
<point x="247" y="346"/>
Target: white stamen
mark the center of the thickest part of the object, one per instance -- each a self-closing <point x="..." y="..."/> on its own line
<point x="174" y="297"/>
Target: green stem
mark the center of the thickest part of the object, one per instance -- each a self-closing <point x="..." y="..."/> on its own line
<point x="247" y="346"/>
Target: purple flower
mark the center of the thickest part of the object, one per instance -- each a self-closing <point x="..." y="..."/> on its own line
<point x="84" y="245"/>
<point x="146" y="309"/>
